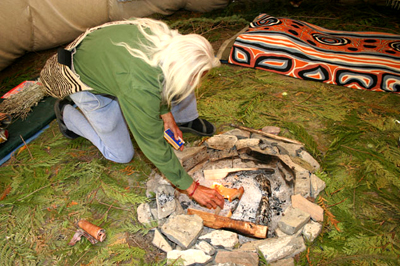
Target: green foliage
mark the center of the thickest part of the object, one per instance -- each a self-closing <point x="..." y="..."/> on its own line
<point x="136" y="227"/>
<point x="352" y="133"/>
<point x="124" y="253"/>
<point x="204" y="26"/>
<point x="50" y="194"/>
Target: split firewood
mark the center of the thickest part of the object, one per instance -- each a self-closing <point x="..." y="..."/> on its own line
<point x="220" y="222"/>
<point x="272" y="136"/>
<point x="228" y="193"/>
<point x="222" y="173"/>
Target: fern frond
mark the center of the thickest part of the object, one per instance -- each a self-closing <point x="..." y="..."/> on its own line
<point x="123" y="253"/>
<point x="119" y="194"/>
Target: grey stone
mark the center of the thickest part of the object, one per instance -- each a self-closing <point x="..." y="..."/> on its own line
<point x="154" y="209"/>
<point x="206" y="247"/>
<point x="144" y="213"/>
<point x="265" y="148"/>
<point x="221" y="238"/>
<point x="290" y="149"/>
<point x="280" y="233"/>
<point x="308" y="158"/>
<point x="240" y="134"/>
<point x="221" y="142"/>
<point x="154" y="181"/>
<point x="222" y="164"/>
<point x="237" y="258"/>
<point x="183" y="229"/>
<point x="257" y="136"/>
<point x="286" y="159"/>
<point x="282" y="247"/>
<point x="271" y="130"/>
<point x="239" y="163"/>
<point x="283" y="262"/>
<point x="293" y="220"/>
<point x="287" y="173"/>
<point x="187" y="257"/>
<point x="316" y="212"/>
<point x="245" y="143"/>
<point x="165" y="195"/>
<point x="302" y="184"/>
<point x="311" y="231"/>
<point x="179" y="209"/>
<point x="317" y="185"/>
<point x="160" y="242"/>
<point x="251" y="246"/>
<point x="216" y="155"/>
<point x="192" y="156"/>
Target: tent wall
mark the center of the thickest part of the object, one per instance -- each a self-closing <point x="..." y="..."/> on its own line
<point x="34" y="25"/>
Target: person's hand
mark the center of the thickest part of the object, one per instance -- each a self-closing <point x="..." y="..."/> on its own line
<point x="207" y="197"/>
<point x="169" y="122"/>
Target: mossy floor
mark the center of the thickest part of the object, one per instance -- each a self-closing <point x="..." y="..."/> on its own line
<point x="53" y="182"/>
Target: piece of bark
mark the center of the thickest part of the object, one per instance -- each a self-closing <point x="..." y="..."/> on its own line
<point x="221" y="222"/>
<point x="95" y="231"/>
<point x="78" y="235"/>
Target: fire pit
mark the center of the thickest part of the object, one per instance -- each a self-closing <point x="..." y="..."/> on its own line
<point x="275" y="174"/>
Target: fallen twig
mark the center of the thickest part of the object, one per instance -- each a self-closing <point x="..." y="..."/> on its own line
<point x="33" y="192"/>
<point x="26" y="146"/>
<point x="272" y="136"/>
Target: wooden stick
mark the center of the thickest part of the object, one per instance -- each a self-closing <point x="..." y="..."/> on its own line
<point x="26" y="146"/>
<point x="222" y="173"/>
<point x="272" y="136"/>
<point x="220" y="222"/>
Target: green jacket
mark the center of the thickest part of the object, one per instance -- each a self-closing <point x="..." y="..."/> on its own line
<point x="110" y="69"/>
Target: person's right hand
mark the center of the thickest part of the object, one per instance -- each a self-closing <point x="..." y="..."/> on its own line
<point x="207" y="197"/>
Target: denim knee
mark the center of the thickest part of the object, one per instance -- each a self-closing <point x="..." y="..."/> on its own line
<point x="123" y="157"/>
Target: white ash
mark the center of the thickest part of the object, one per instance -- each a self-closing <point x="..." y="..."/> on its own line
<point x="164" y="198"/>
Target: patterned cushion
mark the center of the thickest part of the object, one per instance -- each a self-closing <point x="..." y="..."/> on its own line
<point x="359" y="60"/>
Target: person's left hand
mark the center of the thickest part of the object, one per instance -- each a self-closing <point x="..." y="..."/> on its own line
<point x="169" y="122"/>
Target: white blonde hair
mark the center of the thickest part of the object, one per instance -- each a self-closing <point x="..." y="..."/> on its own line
<point x="182" y="58"/>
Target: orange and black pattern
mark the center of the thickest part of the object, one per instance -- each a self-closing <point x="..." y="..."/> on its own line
<point x="359" y="60"/>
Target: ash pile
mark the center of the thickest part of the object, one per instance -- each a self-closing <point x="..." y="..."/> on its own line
<point x="270" y="186"/>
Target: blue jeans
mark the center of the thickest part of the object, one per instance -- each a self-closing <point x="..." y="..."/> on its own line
<point x="101" y="122"/>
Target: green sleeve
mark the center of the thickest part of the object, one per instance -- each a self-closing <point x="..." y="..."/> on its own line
<point x="141" y="110"/>
<point x="164" y="109"/>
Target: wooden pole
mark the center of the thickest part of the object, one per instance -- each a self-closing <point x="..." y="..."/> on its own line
<point x="272" y="136"/>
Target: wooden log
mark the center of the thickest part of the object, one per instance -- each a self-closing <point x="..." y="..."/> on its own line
<point x="272" y="136"/>
<point x="220" y="222"/>
<point x="222" y="173"/>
